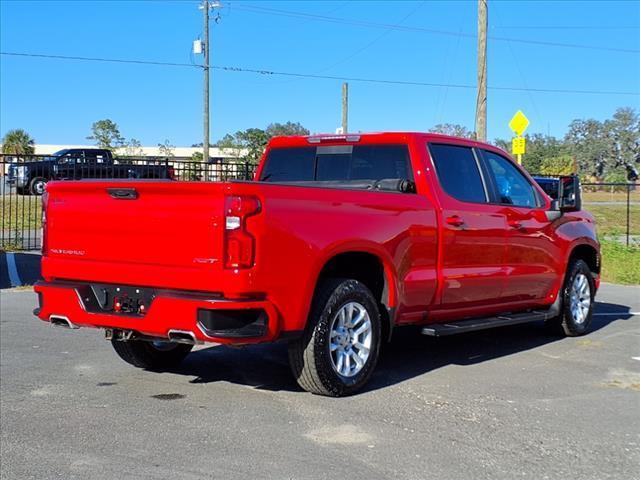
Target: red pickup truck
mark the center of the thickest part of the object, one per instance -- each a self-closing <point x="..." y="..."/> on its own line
<point x="337" y="241"/>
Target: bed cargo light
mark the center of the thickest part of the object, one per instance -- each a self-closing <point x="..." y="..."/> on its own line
<point x="239" y="247"/>
<point x="333" y="138"/>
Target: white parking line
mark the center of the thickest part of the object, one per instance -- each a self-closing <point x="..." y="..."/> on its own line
<point x="14" y="278"/>
<point x="604" y="314"/>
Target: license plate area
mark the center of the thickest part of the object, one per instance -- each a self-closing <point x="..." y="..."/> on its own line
<point x="116" y="299"/>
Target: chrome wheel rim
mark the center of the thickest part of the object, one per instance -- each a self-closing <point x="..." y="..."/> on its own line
<point x="39" y="187"/>
<point x="350" y="341"/>
<point x="580" y="298"/>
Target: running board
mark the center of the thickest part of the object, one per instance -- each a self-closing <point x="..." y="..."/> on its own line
<point x="475" y="324"/>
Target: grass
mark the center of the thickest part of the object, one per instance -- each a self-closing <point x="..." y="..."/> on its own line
<point x="620" y="264"/>
<point x="20" y="212"/>
<point x="610" y="196"/>
<point x="612" y="219"/>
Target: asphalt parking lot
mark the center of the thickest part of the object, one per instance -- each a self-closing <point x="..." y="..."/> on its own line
<point x="502" y="404"/>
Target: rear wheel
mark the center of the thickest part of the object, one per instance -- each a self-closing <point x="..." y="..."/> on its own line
<point x="339" y="348"/>
<point x="151" y="355"/>
<point x="36" y="187"/>
<point x="578" y="294"/>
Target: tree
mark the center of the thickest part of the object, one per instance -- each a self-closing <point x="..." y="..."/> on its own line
<point x="166" y="149"/>
<point x="623" y="132"/>
<point x="602" y="148"/>
<point x="588" y="141"/>
<point x="540" y="149"/>
<point x="133" y="148"/>
<point x="453" y="129"/>
<point x="106" y="134"/>
<point x="18" y="142"/>
<point x="283" y="129"/>
<point x="250" y="143"/>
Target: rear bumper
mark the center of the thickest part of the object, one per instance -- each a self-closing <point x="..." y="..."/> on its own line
<point x="170" y="310"/>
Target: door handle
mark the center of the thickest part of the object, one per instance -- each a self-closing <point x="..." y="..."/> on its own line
<point x="455" y="221"/>
<point x="516" y="224"/>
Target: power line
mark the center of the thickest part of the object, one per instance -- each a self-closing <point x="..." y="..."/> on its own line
<point x="322" y="76"/>
<point x="568" y="27"/>
<point x="108" y="60"/>
<point x="366" y="23"/>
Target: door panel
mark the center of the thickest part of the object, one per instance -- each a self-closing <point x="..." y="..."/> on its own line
<point x="529" y="259"/>
<point x="473" y="256"/>
<point x="473" y="231"/>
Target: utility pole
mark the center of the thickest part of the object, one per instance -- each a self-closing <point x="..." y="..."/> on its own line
<point x="205" y="144"/>
<point x="481" y="98"/>
<point x="345" y="107"/>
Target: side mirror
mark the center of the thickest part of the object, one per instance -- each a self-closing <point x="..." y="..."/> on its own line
<point x="569" y="194"/>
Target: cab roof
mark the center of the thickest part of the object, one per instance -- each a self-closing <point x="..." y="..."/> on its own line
<point x="362" y="138"/>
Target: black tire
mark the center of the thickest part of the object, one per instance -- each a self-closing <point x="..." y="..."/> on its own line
<point x="36" y="186"/>
<point x="146" y="355"/>
<point x="310" y="356"/>
<point x="569" y="323"/>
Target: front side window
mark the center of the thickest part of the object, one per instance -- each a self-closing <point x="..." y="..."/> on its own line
<point x="94" y="156"/>
<point x="458" y="172"/>
<point x="512" y="186"/>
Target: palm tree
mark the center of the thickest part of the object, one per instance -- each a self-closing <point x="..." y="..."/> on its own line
<point x="18" y="142"/>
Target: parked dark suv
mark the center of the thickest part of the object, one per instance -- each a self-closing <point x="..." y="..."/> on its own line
<point x="76" y="164"/>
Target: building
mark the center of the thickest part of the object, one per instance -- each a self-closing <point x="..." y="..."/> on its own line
<point x="216" y="154"/>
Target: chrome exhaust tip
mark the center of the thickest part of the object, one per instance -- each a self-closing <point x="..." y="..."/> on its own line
<point x="62" y="321"/>
<point x="182" y="336"/>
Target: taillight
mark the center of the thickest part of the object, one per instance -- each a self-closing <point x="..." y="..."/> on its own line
<point x="43" y="229"/>
<point x="239" y="245"/>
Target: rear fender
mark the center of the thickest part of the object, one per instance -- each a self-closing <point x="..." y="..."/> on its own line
<point x="390" y="290"/>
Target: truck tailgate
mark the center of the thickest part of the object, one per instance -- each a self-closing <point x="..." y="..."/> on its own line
<point x="159" y="233"/>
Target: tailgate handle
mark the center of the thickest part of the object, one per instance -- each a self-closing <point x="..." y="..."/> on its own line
<point x="123" y="193"/>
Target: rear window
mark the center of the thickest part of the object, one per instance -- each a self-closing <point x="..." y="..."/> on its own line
<point x="458" y="172"/>
<point x="337" y="163"/>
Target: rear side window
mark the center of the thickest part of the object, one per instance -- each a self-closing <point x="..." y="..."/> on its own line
<point x="289" y="165"/>
<point x="513" y="188"/>
<point x="337" y="163"/>
<point x="458" y="172"/>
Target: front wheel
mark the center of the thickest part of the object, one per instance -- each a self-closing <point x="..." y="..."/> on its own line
<point x="578" y="295"/>
<point x="151" y="355"/>
<point x="339" y="348"/>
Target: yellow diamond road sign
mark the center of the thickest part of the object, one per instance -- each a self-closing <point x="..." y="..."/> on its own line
<point x="519" y="123"/>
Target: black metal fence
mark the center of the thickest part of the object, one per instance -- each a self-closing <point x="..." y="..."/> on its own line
<point x="23" y="178"/>
<point x="616" y="206"/>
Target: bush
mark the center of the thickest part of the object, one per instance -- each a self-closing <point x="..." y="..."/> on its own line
<point x="562" y="165"/>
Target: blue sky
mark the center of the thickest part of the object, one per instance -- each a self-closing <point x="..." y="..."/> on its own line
<point x="57" y="100"/>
